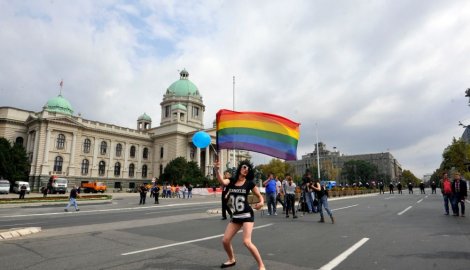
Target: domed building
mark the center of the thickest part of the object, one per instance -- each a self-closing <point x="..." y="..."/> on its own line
<point x="60" y="143"/>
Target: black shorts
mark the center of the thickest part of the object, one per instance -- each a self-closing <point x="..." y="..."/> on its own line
<point x="245" y="219"/>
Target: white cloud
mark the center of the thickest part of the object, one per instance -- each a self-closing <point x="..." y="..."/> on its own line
<point x="373" y="76"/>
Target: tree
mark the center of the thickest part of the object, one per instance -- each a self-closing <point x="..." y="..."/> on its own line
<point x="456" y="157"/>
<point x="14" y="164"/>
<point x="276" y="167"/>
<point x="179" y="171"/>
<point x="359" y="170"/>
<point x="408" y="177"/>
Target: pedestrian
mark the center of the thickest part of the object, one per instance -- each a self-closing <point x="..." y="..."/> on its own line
<point x="280" y="194"/>
<point x="381" y="188"/>
<point x="322" y="195"/>
<point x="243" y="217"/>
<point x="446" y="189"/>
<point x="421" y="187"/>
<point x="410" y="188"/>
<point x="190" y="191"/>
<point x="391" y="188"/>
<point x="307" y="190"/>
<point x="270" y="189"/>
<point x="289" y="193"/>
<point x="399" y="187"/>
<point x="459" y="194"/>
<point x="433" y="187"/>
<point x="143" y="193"/>
<point x="224" y="197"/>
<point x="44" y="192"/>
<point x="72" y="199"/>
<point x="23" y="189"/>
<point x="214" y="190"/>
<point x="184" y="189"/>
<point x="156" y="192"/>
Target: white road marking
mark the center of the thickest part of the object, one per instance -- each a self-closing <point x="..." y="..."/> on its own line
<point x="402" y="212"/>
<point x="420" y="201"/>
<point x="71" y="211"/>
<point x="344" y="207"/>
<point x="187" y="242"/>
<point x="341" y="257"/>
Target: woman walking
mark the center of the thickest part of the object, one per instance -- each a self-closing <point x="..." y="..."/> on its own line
<point x="242" y="214"/>
<point x="322" y="196"/>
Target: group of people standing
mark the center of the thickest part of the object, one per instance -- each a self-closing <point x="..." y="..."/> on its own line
<point x="314" y="196"/>
<point x="455" y="193"/>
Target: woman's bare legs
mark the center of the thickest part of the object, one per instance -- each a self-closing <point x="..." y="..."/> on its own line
<point x="230" y="231"/>
<point x="247" y="230"/>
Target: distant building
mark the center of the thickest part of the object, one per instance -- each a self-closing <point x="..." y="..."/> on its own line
<point x="386" y="164"/>
<point x="61" y="143"/>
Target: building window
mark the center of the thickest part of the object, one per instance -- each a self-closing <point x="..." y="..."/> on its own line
<point x="117" y="169"/>
<point x="58" y="164"/>
<point x="161" y="169"/>
<point x="85" y="165"/>
<point x="144" y="171"/>
<point x="132" y="152"/>
<point x="103" y="147"/>
<point x="145" y="154"/>
<point x="101" y="168"/>
<point x="60" y="141"/>
<point x="131" y="170"/>
<point x="161" y="152"/>
<point x="118" y="150"/>
<point x="86" y="146"/>
<point x="195" y="112"/>
<point x="19" y="140"/>
<point x="167" y="111"/>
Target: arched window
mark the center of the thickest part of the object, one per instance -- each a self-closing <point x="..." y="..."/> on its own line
<point x="118" y="150"/>
<point x="101" y="168"/>
<point x="60" y="141"/>
<point x="103" y="147"/>
<point x="85" y="165"/>
<point x="58" y="164"/>
<point x="131" y="170"/>
<point x="144" y="171"/>
<point x="19" y="140"/>
<point x="86" y="146"/>
<point x="132" y="152"/>
<point x="117" y="169"/>
<point x="145" y="154"/>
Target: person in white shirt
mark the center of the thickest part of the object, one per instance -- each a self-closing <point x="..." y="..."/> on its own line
<point x="289" y="193"/>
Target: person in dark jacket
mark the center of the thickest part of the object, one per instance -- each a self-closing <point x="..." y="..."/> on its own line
<point x="72" y="199"/>
<point x="459" y="191"/>
<point x="143" y="193"/>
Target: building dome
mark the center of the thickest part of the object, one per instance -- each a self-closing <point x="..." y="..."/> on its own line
<point x="144" y="117"/>
<point x="183" y="87"/>
<point x="59" y="105"/>
<point x="178" y="106"/>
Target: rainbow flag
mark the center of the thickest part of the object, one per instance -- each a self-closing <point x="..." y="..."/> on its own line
<point x="265" y="133"/>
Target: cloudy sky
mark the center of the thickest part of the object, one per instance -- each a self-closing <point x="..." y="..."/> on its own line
<point x="370" y="76"/>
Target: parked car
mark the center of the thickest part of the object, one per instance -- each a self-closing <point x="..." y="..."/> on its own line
<point x="58" y="185"/>
<point x="4" y="186"/>
<point x="17" y="187"/>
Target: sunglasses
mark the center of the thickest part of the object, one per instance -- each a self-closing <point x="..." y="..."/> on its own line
<point x="245" y="167"/>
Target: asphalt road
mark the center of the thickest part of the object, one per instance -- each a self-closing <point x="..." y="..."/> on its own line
<point x="371" y="232"/>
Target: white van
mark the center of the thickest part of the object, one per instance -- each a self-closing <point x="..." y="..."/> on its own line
<point x="4" y="186"/>
<point x="59" y="185"/>
<point x="18" y="184"/>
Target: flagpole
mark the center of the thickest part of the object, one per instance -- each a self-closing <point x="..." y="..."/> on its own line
<point x="233" y="108"/>
<point x="318" y="153"/>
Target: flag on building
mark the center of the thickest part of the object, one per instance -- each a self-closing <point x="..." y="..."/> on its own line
<point x="260" y="132"/>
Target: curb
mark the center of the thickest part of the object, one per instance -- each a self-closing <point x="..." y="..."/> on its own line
<point x="18" y="232"/>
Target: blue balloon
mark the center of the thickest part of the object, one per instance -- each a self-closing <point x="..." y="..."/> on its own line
<point x="201" y="139"/>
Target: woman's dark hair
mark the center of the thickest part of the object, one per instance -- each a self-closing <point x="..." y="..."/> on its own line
<point x="251" y="174"/>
